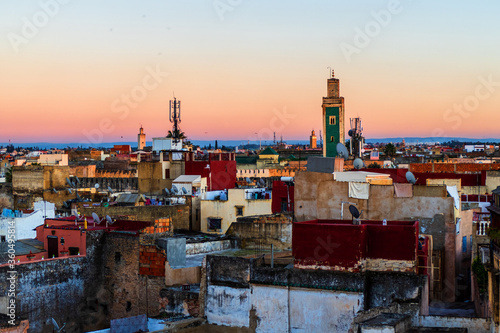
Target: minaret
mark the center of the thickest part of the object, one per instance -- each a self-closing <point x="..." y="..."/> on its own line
<point x="141" y="139"/>
<point x="333" y="118"/>
<point x="312" y="140"/>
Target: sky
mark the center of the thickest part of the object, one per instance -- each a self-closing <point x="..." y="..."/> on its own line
<point x="94" y="71"/>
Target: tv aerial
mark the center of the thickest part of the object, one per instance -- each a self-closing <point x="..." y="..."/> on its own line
<point x="342" y="151"/>
<point x="358" y="163"/>
<point x="410" y="177"/>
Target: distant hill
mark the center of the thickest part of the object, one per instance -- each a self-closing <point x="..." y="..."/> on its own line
<point x="241" y="143"/>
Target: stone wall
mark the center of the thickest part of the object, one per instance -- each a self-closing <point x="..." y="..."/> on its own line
<point x="278" y="234"/>
<point x="86" y="292"/>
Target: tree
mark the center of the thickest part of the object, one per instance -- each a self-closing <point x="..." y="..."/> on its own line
<point x="176" y="134"/>
<point x="8" y="175"/>
<point x="390" y="150"/>
<point x="374" y="166"/>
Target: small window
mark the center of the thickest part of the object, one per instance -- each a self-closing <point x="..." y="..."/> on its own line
<point x="464" y="244"/>
<point x="332" y="139"/>
<point x="214" y="223"/>
<point x="118" y="257"/>
<point x="239" y="210"/>
<point x="167" y="173"/>
<point x="332" y="120"/>
<point x="2" y="238"/>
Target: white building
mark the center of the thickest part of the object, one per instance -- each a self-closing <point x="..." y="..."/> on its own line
<point x="25" y="223"/>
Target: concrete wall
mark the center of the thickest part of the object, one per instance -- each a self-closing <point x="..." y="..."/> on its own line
<point x="227" y="209"/>
<point x="473" y="325"/>
<point x="243" y="293"/>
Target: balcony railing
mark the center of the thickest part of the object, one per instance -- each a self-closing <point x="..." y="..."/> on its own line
<point x="482" y="228"/>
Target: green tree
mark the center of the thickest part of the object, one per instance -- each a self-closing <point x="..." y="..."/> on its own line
<point x="8" y="175"/>
<point x="178" y="134"/>
<point x="390" y="150"/>
<point x="374" y="166"/>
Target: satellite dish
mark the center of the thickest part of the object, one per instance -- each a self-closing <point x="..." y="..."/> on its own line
<point x="78" y="180"/>
<point x="56" y="326"/>
<point x="351" y="132"/>
<point x="70" y="191"/>
<point x="358" y="163"/>
<point x="78" y="197"/>
<point x="175" y="190"/>
<point x="96" y="185"/>
<point x="110" y="189"/>
<point x="167" y="192"/>
<point x="184" y="190"/>
<point x="54" y="190"/>
<point x="410" y="178"/>
<point x="354" y="211"/>
<point x="96" y="218"/>
<point x="69" y="182"/>
<point x="109" y="219"/>
<point x="248" y="180"/>
<point x="342" y="151"/>
<point x="262" y="182"/>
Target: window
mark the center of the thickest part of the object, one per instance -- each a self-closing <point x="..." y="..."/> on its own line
<point x="118" y="257"/>
<point x="239" y="210"/>
<point x="214" y="223"/>
<point x="332" y="139"/>
<point x="167" y="173"/>
<point x="464" y="244"/>
<point x="332" y="120"/>
<point x="2" y="238"/>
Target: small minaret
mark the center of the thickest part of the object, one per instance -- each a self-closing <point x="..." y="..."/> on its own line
<point x="141" y="139"/>
<point x="312" y="140"/>
<point x="333" y="118"/>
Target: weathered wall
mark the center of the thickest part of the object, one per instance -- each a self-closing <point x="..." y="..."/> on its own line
<point x="180" y="276"/>
<point x="85" y="292"/>
<point x="318" y="196"/>
<point x="473" y="325"/>
<point x="278" y="234"/>
<point x="492" y="180"/>
<point x="178" y="213"/>
<point x="27" y="178"/>
<point x="242" y="293"/>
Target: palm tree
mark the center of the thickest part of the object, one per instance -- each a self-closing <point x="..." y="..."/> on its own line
<point x="178" y="134"/>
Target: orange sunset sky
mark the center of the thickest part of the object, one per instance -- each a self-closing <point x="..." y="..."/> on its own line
<point x="83" y="71"/>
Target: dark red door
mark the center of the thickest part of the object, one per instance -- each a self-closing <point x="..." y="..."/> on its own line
<point x="52" y="245"/>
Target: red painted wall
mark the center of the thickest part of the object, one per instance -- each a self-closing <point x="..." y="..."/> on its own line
<point x="335" y="243"/>
<point x="223" y="173"/>
<point x="279" y="192"/>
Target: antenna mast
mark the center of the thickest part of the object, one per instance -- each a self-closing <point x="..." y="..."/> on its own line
<point x="175" y="118"/>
